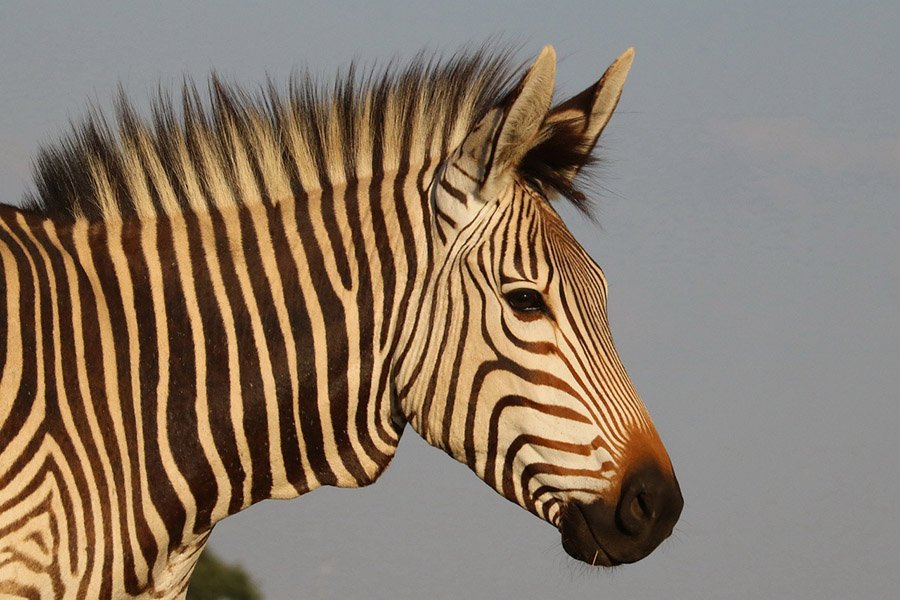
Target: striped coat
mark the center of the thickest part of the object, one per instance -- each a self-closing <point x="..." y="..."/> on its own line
<point x="252" y="299"/>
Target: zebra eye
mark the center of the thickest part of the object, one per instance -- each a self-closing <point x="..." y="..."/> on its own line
<point x="526" y="300"/>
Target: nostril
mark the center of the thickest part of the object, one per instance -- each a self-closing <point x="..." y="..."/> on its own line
<point x="634" y="511"/>
<point x="648" y="504"/>
<point x="642" y="506"/>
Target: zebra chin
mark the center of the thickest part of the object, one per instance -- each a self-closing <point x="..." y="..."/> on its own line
<point x="645" y="514"/>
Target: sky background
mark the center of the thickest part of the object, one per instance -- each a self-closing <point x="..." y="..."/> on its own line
<point x="750" y="231"/>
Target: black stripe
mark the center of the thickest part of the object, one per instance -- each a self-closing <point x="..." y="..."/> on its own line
<point x="310" y="422"/>
<point x="218" y="375"/>
<point x="256" y="414"/>
<point x="163" y="498"/>
<point x="287" y="402"/>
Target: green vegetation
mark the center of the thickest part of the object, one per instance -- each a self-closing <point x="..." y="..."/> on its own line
<point x="216" y="580"/>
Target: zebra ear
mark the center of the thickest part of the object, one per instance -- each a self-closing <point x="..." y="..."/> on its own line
<point x="571" y="129"/>
<point x="523" y="112"/>
<point x="492" y="151"/>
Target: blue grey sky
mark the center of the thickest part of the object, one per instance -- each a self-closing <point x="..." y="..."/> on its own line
<point x="750" y="230"/>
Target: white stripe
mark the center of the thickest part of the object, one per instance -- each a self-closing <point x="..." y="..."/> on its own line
<point x="157" y="293"/>
<point x="195" y="322"/>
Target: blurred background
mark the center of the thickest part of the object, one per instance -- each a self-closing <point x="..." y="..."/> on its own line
<point x="750" y="230"/>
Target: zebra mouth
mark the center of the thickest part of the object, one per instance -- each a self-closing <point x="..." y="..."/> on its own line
<point x="579" y="540"/>
<point x="600" y="533"/>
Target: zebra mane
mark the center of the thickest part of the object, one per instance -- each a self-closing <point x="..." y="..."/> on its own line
<point x="230" y="146"/>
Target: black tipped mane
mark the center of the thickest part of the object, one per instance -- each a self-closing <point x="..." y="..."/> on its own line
<point x="90" y="172"/>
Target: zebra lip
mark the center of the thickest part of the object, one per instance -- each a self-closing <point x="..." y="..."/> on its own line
<point x="579" y="541"/>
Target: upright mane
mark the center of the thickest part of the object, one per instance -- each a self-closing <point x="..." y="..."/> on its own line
<point x="231" y="146"/>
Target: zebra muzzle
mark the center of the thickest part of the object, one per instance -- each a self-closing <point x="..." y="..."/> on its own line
<point x="648" y="507"/>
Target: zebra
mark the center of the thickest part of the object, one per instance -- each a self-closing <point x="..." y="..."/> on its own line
<point x="250" y="295"/>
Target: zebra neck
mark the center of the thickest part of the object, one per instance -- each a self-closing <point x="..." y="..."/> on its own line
<point x="273" y="331"/>
<point x="198" y="363"/>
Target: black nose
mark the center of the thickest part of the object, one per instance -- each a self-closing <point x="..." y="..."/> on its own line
<point x="649" y="505"/>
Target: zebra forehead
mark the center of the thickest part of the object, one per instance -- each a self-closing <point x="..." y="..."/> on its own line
<point x="529" y="240"/>
<point x="228" y="145"/>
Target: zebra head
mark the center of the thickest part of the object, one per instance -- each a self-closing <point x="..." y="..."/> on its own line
<point x="514" y="371"/>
